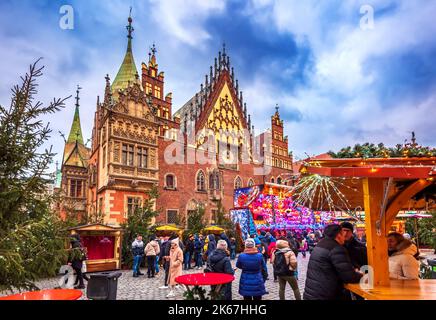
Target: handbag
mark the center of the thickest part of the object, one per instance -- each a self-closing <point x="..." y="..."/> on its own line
<point x="84" y="268"/>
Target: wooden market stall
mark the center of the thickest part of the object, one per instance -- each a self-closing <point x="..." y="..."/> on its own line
<point x="103" y="246"/>
<point x="382" y="187"/>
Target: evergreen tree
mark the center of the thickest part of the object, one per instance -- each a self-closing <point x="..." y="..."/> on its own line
<point x="138" y="222"/>
<point x="31" y="237"/>
<point x="196" y="221"/>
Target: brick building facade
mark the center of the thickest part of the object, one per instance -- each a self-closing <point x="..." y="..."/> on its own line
<point x="196" y="156"/>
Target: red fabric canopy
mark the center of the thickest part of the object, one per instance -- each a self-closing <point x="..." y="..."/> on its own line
<point x="205" y="279"/>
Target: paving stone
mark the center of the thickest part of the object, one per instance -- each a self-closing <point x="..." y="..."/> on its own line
<point x="142" y="288"/>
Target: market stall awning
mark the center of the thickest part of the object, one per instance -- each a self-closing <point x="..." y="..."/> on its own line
<point x="213" y="229"/>
<point x="168" y="228"/>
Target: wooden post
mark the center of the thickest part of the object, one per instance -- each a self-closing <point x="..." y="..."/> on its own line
<point x="376" y="243"/>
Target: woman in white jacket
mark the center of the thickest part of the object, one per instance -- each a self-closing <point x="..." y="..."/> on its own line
<point x="403" y="258"/>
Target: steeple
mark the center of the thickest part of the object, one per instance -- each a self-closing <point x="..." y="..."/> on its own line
<point x="152" y="57"/>
<point x="76" y="130"/>
<point x="128" y="70"/>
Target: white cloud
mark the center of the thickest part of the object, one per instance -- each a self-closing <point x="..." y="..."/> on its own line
<point x="184" y="19"/>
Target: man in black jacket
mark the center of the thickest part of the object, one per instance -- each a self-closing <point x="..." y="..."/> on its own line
<point x="356" y="249"/>
<point x="329" y="268"/>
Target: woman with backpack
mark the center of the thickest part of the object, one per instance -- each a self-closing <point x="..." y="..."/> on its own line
<point x="285" y="263"/>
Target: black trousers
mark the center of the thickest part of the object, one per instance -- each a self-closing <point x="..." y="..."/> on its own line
<point x="167" y="271"/>
<point x="79" y="276"/>
<point x="151" y="266"/>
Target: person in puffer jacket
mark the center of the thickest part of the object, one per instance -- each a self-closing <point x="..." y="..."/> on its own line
<point x="152" y="250"/>
<point x="138" y="253"/>
<point x="211" y="245"/>
<point x="329" y="268"/>
<point x="251" y="284"/>
<point x="219" y="262"/>
<point x="403" y="262"/>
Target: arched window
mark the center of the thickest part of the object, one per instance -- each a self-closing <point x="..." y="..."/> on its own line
<point x="250" y="183"/>
<point x="214" y="181"/>
<point x="170" y="181"/>
<point x="272" y="180"/>
<point x="201" y="181"/>
<point x="279" y="180"/>
<point x="238" y="183"/>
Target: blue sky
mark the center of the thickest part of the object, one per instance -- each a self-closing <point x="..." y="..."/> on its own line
<point x="336" y="84"/>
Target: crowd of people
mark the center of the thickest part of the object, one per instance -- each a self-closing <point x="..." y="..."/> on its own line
<point x="336" y="256"/>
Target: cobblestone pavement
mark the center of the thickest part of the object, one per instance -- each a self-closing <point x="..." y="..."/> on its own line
<point x="142" y="288"/>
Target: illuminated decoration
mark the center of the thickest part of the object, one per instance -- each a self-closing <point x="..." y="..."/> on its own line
<point x="271" y="207"/>
<point x="245" y="196"/>
<point x="317" y="192"/>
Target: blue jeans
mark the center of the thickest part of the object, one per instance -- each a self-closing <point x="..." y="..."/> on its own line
<point x="233" y="254"/>
<point x="157" y="264"/>
<point x="198" y="259"/>
<point x="136" y="264"/>
<point x="187" y="260"/>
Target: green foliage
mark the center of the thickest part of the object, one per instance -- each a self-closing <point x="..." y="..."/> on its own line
<point x="32" y="238"/>
<point x="223" y="221"/>
<point x="426" y="230"/>
<point x="196" y="221"/>
<point x="370" y="150"/>
<point x="139" y="222"/>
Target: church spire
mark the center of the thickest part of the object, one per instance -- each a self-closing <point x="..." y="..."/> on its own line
<point x="128" y="70"/>
<point x="76" y="130"/>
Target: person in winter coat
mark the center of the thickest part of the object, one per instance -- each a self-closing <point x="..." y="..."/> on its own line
<point x="219" y="262"/>
<point x="198" y="251"/>
<point x="285" y="263"/>
<point x="232" y="249"/>
<point x="176" y="265"/>
<point x="138" y="253"/>
<point x="211" y="245"/>
<point x="165" y="257"/>
<point x="151" y="251"/>
<point x="356" y="249"/>
<point x="293" y="243"/>
<point x="303" y="247"/>
<point x="189" y="252"/>
<point x="251" y="284"/>
<point x="271" y="249"/>
<point x="75" y="260"/>
<point x="403" y="259"/>
<point x="329" y="268"/>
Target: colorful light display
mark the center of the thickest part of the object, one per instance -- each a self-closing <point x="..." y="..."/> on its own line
<point x="271" y="210"/>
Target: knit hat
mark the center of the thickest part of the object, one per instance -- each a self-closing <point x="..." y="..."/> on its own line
<point x="347" y="225"/>
<point x="332" y="231"/>
<point x="249" y="243"/>
<point x="222" y="244"/>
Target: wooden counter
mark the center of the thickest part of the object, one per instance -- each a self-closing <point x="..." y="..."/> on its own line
<point x="398" y="290"/>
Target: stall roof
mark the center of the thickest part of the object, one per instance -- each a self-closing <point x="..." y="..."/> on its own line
<point x="96" y="226"/>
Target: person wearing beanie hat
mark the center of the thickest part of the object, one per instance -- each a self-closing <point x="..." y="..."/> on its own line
<point x="251" y="283"/>
<point x="250" y="243"/>
<point x="329" y="268"/>
<point x="219" y="262"/>
<point x="356" y="249"/>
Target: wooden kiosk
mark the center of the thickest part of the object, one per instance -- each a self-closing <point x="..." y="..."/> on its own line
<point x="382" y="187"/>
<point x="103" y="245"/>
